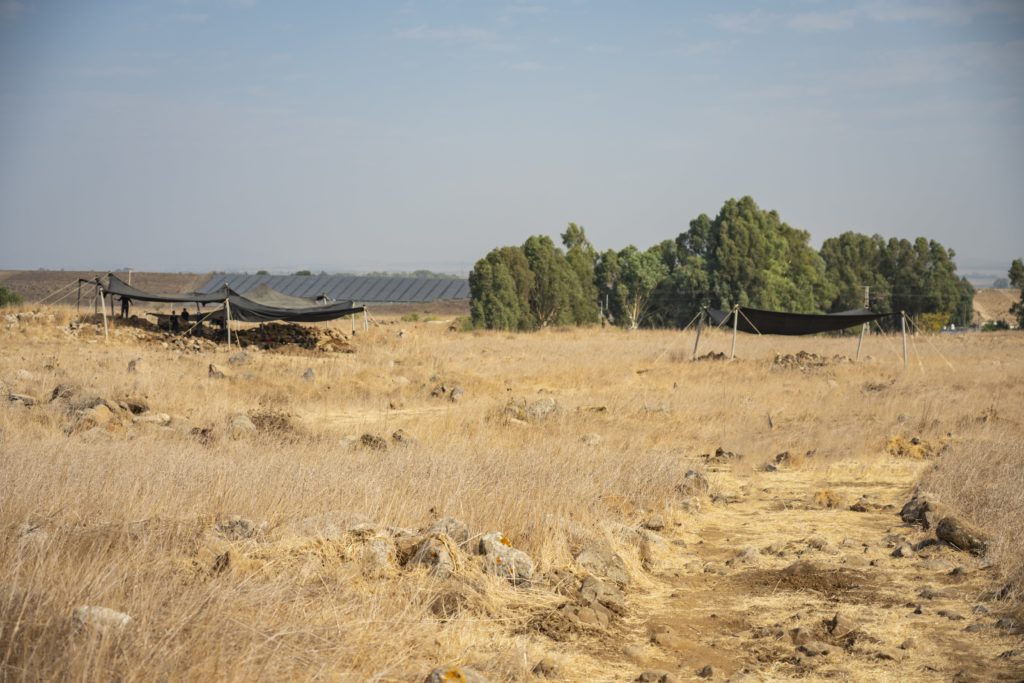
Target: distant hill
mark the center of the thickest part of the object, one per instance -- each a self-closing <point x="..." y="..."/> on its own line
<point x="991" y="305"/>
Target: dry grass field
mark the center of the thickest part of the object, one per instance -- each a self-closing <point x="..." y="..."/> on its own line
<point x="301" y="515"/>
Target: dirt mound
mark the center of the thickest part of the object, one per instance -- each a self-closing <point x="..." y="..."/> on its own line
<point x="277" y="335"/>
<point x="805" y="361"/>
<point x="806" y="576"/>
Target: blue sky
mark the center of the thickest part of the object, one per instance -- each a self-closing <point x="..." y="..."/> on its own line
<point x="232" y="134"/>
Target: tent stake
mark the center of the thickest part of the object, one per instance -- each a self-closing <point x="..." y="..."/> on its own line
<point x="735" y="325"/>
<point x="700" y="326"/>
<point x="903" y="324"/>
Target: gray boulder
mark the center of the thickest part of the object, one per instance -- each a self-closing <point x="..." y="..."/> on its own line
<point x="501" y="559"/>
<point x="100" y="619"/>
<point x="450" y="527"/>
<point x="437" y="556"/>
<point x="541" y="409"/>
<point x="603" y="563"/>
<point x="240" y="426"/>
<point x="694" y="484"/>
<point x="962" y="535"/>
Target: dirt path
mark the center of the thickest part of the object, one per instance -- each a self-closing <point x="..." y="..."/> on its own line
<point x="776" y="561"/>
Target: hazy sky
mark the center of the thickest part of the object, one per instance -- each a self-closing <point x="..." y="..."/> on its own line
<point x="232" y="134"/>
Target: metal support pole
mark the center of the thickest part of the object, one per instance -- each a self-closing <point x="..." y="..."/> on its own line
<point x="103" y="307"/>
<point x="903" y="325"/>
<point x="366" y="321"/>
<point x="227" y="318"/>
<point x="860" y="340"/>
<point x="353" y="319"/>
<point x="700" y="326"/>
<point x="735" y="326"/>
<point x="78" y="306"/>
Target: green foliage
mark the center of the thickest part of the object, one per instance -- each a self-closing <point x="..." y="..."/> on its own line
<point x="303" y="272"/>
<point x="750" y="257"/>
<point x="1016" y="274"/>
<point x="630" y="278"/>
<point x="744" y="255"/>
<point x="9" y="298"/>
<point x="410" y="317"/>
<point x="582" y="257"/>
<point x="852" y="261"/>
<point x="262" y="272"/>
<point x="536" y="285"/>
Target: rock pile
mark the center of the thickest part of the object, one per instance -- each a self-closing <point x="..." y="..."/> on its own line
<point x="805" y="361"/>
<point x="276" y="335"/>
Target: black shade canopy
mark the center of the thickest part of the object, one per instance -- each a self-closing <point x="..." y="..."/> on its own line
<point x="756" y="321"/>
<point x="272" y="306"/>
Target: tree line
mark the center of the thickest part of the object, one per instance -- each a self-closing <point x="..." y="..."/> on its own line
<point x="744" y="255"/>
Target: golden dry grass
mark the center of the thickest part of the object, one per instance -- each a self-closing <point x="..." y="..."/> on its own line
<point x="128" y="514"/>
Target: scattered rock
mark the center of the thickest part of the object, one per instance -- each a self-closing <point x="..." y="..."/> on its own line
<point x="456" y="394"/>
<point x="378" y="557"/>
<point x="135" y="365"/>
<point x="706" y="672"/>
<point x="841" y="626"/>
<point x="903" y="550"/>
<point x="240" y="358"/>
<point x="592" y="439"/>
<point x="721" y="456"/>
<point x="655" y="676"/>
<point x="547" y="668"/>
<point x="374" y="442"/>
<point x="603" y="563"/>
<point x="402" y="438"/>
<point x="962" y="535"/>
<point x="236" y="528"/>
<point x="694" y="484"/>
<point x="438" y="555"/>
<point x="655" y="522"/>
<point x="908" y="644"/>
<point x="541" y="409"/>
<point x="949" y="614"/>
<point x="595" y="592"/>
<point x="101" y="619"/>
<point x="921" y="511"/>
<point x="21" y="399"/>
<point x="862" y="505"/>
<point x="455" y="674"/>
<point x="309" y="375"/>
<point x="815" y="648"/>
<point x="450" y="527"/>
<point x="240" y="426"/>
<point x="748" y="555"/>
<point x="216" y="372"/>
<point x="501" y="559"/>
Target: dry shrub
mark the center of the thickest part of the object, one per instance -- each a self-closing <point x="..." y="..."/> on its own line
<point x="980" y="479"/>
